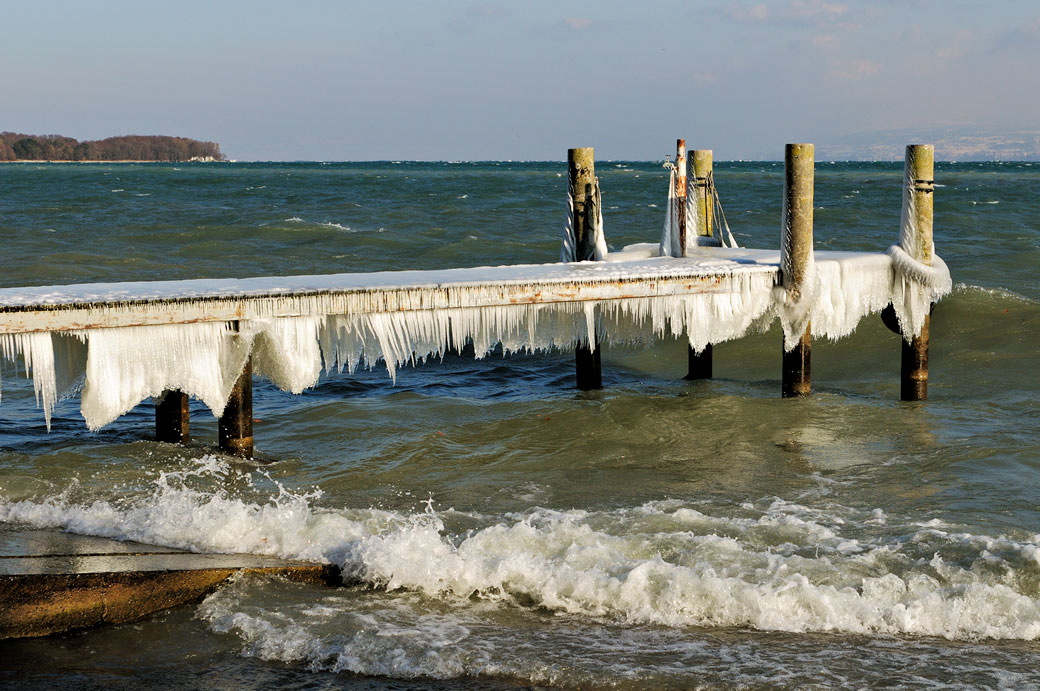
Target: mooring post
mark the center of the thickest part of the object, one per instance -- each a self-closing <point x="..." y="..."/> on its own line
<point x="703" y="198"/>
<point x="171" y="417"/>
<point x="680" y="193"/>
<point x="700" y="363"/>
<point x="236" y="424"/>
<point x="920" y="186"/>
<point x="581" y="178"/>
<point x="796" y="258"/>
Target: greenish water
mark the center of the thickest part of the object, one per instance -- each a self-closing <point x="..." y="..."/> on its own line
<point x="507" y="530"/>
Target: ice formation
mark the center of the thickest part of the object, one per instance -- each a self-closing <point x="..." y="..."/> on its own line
<point x="917" y="285"/>
<point x="670" y="246"/>
<point x="195" y="336"/>
<point x="569" y="248"/>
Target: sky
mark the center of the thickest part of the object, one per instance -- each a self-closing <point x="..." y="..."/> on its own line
<point x="464" y="80"/>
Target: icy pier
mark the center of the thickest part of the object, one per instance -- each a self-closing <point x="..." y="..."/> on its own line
<point x="121" y="343"/>
<point x="135" y="340"/>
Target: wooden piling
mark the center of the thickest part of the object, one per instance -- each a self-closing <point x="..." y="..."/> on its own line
<point x="236" y="424"/>
<point x="699" y="363"/>
<point x="581" y="178"/>
<point x="920" y="186"/>
<point x="703" y="200"/>
<point x="171" y="417"/>
<point x="587" y="367"/>
<point x="796" y="259"/>
<point x="680" y="193"/>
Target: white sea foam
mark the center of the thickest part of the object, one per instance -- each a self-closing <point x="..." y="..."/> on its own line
<point x="775" y="566"/>
<point x="400" y="639"/>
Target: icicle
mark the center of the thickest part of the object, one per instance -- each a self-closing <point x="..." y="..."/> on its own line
<point x="694" y="223"/>
<point x="597" y="228"/>
<point x="127" y="365"/>
<point x="915" y="286"/>
<point x="569" y="248"/>
<point x="569" y="251"/>
<point x="287" y="351"/>
<point x="729" y="234"/>
<point x="54" y="360"/>
<point x="670" y="233"/>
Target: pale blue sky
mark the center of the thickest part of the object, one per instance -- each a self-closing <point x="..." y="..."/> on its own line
<point x="322" y="80"/>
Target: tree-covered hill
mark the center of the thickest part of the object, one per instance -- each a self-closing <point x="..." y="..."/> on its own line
<point x="54" y="147"/>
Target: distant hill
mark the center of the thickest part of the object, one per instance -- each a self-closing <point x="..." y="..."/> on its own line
<point x="951" y="144"/>
<point x="54" y="147"/>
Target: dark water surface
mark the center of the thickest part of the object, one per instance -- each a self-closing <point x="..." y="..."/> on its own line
<point x="509" y="531"/>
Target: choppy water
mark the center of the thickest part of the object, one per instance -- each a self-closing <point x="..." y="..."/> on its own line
<point x="508" y="530"/>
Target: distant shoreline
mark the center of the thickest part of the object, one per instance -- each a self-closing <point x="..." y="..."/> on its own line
<point x="1030" y="161"/>
<point x="130" y="148"/>
<point x="98" y="160"/>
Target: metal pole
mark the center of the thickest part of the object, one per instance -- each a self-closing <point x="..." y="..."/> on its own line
<point x="920" y="186"/>
<point x="680" y="193"/>
<point x="797" y="245"/>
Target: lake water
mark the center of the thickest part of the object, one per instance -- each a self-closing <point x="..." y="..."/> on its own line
<point x="506" y="530"/>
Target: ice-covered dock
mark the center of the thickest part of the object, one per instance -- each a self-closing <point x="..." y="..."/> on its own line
<point x="121" y="343"/>
<point x="135" y="340"/>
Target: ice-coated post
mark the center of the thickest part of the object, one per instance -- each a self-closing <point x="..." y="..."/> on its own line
<point x="171" y="417"/>
<point x="680" y="193"/>
<point x="920" y="186"/>
<point x="236" y="424"/>
<point x="798" y="241"/>
<point x="581" y="179"/>
<point x="703" y="198"/>
<point x="703" y="201"/>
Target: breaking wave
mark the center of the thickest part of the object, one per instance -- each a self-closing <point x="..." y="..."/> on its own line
<point x="767" y="565"/>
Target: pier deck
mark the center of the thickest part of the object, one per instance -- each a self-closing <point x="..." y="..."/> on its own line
<point x="626" y="274"/>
